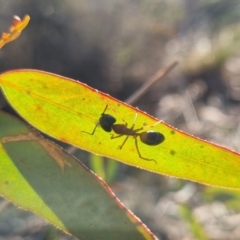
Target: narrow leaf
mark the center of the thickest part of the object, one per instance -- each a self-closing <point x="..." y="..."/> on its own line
<point x="64" y="109"/>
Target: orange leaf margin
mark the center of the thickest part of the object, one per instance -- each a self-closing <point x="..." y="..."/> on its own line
<point x="15" y="30"/>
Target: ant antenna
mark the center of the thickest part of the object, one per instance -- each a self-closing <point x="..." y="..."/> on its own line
<point x="112" y="108"/>
<point x="97" y="123"/>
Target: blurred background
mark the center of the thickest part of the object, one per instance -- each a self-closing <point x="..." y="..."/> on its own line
<point x="116" y="46"/>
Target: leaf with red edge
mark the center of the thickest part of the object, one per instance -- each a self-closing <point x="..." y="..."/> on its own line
<point x="39" y="176"/>
<point x="64" y="108"/>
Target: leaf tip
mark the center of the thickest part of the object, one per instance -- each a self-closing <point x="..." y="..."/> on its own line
<point x="15" y="30"/>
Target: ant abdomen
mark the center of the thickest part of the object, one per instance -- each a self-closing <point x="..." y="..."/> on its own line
<point x="151" y="137"/>
<point x="106" y="121"/>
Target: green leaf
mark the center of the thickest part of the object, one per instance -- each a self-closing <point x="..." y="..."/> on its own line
<point x="64" y="108"/>
<point x="196" y="229"/>
<point x="97" y="165"/>
<point x="38" y="176"/>
<point x="104" y="168"/>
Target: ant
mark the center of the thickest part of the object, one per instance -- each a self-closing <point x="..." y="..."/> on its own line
<point x="107" y="123"/>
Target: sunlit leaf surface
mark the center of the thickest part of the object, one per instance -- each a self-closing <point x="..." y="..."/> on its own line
<point x="64" y="108"/>
<point x="37" y="175"/>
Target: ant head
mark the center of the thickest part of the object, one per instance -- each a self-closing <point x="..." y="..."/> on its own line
<point x="106" y="121"/>
<point x="152" y="137"/>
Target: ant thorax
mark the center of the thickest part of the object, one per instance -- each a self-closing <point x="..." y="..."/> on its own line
<point x="123" y="130"/>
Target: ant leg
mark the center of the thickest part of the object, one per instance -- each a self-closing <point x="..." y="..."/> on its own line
<point x="148" y="126"/>
<point x="97" y="123"/>
<point x="120" y="147"/>
<point x="147" y="159"/>
<point x="118" y="136"/>
<point x="92" y="131"/>
<point x="134" y="121"/>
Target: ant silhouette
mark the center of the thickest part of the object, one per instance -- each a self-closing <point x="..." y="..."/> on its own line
<point x="107" y="123"/>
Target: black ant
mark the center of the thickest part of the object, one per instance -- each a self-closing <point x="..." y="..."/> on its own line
<point x="107" y="123"/>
